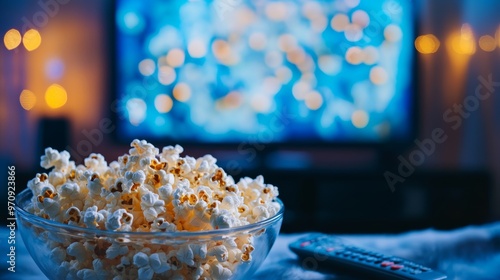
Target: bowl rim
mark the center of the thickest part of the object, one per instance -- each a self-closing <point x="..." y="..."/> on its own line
<point x="34" y="219"/>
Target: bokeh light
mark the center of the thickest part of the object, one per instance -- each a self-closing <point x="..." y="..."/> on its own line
<point x="487" y="43"/>
<point x="352" y="3"/>
<point x="261" y="103"/>
<point x="287" y="42"/>
<point x="32" y="40"/>
<point x="339" y="22"/>
<point x="360" y="18"/>
<point x="371" y="55"/>
<point x="319" y="23"/>
<point x="224" y="53"/>
<point x="12" y="39"/>
<point x="354" y="55"/>
<point x="136" y="109"/>
<point x="27" y="99"/>
<point x="55" y="96"/>
<point x="276" y="11"/>
<point x="163" y="103"/>
<point x="393" y="33"/>
<point x="284" y="74"/>
<point x="353" y="33"/>
<point x="330" y="64"/>
<point x="166" y="75"/>
<point x="378" y="75"/>
<point x="463" y="42"/>
<point x="197" y="48"/>
<point x="300" y="89"/>
<point x="182" y="92"/>
<point x="360" y="119"/>
<point x="175" y="57"/>
<point x="427" y="44"/>
<point x="147" y="67"/>
<point x="314" y="100"/>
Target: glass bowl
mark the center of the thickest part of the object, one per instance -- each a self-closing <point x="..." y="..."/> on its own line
<point x="63" y="251"/>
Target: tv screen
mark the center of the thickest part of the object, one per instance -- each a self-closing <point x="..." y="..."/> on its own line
<point x="227" y="71"/>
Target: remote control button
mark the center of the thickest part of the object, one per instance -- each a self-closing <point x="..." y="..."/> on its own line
<point x="416" y="271"/>
<point x="330" y="249"/>
<point x="396" y="260"/>
<point x="386" y="264"/>
<point x="396" y="267"/>
<point x="305" y="243"/>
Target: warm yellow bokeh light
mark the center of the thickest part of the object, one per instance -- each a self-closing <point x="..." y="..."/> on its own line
<point x="27" y="99"/>
<point x="182" y="92"/>
<point x="354" y="55"/>
<point x="163" y="103"/>
<point x="339" y="22"/>
<point x="487" y="43"/>
<point x="360" y="119"/>
<point x="175" y="57"/>
<point x="12" y="39"/>
<point x="378" y="75"/>
<point x="32" y="40"/>
<point x="224" y="53"/>
<point x="314" y="100"/>
<point x="427" y="44"/>
<point x="464" y="42"/>
<point x="56" y="96"/>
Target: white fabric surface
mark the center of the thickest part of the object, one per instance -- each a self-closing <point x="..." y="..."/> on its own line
<point x="468" y="253"/>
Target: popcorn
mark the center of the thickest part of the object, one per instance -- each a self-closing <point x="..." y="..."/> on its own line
<point x="115" y="250"/>
<point x="185" y="255"/>
<point x="58" y="255"/>
<point x="149" y="265"/>
<point x="151" y="206"/>
<point x="220" y="252"/>
<point x="96" y="163"/>
<point x="98" y="272"/>
<point x="219" y="272"/>
<point x="78" y="250"/>
<point x="119" y="219"/>
<point x="53" y="158"/>
<point x="148" y="191"/>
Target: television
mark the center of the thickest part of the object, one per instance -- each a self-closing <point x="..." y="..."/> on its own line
<point x="227" y="71"/>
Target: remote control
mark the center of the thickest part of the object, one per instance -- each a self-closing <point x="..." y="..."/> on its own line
<point x="321" y="251"/>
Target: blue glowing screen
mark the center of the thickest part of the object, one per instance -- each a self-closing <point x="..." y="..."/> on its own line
<point x="227" y="71"/>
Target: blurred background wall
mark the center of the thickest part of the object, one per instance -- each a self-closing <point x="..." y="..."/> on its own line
<point x="465" y="44"/>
